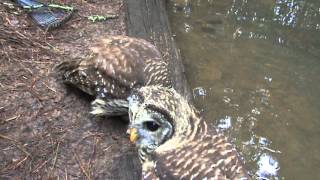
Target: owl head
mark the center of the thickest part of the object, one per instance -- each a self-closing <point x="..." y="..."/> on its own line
<point x="158" y="114"/>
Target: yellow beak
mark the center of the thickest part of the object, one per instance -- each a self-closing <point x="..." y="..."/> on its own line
<point x="134" y="136"/>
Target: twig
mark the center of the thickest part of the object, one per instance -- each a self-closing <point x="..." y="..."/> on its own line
<point x="96" y="140"/>
<point x="20" y="162"/>
<point x="12" y="118"/>
<point x="89" y="135"/>
<point x="66" y="173"/>
<point x="81" y="165"/>
<point x="271" y="150"/>
<point x="13" y="167"/>
<point x="106" y="149"/>
<point x="41" y="165"/>
<point x="25" y="68"/>
<point x="31" y="42"/>
<point x="34" y="94"/>
<point x="265" y="148"/>
<point x="50" y="88"/>
<point x="5" y="52"/>
<point x="15" y="143"/>
<point x="55" y="157"/>
<point x="37" y="62"/>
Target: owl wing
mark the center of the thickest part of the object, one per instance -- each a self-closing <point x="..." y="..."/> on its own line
<point x="210" y="157"/>
<point x="116" y="66"/>
<point x="170" y="165"/>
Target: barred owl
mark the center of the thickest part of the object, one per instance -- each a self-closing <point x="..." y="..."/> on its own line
<point x="117" y="65"/>
<point x="174" y="142"/>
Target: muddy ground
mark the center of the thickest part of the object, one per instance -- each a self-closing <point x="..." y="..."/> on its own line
<point x="45" y="129"/>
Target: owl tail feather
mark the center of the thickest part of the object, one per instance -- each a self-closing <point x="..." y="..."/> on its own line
<point x="66" y="68"/>
<point x="74" y="72"/>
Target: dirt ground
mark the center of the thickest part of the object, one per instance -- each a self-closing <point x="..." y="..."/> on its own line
<point x="45" y="129"/>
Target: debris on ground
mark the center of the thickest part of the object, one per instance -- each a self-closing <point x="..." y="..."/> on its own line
<point x="47" y="16"/>
<point x="45" y="128"/>
<point x="95" y="18"/>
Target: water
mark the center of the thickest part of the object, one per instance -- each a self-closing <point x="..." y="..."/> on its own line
<point x="254" y="67"/>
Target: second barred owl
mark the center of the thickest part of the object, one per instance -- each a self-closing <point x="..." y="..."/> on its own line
<point x="117" y="65"/>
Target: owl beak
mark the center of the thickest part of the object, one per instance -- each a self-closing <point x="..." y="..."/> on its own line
<point x="134" y="136"/>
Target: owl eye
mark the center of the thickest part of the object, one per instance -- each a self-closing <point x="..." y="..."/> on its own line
<point x="151" y="125"/>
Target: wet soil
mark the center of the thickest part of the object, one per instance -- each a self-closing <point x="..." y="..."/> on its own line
<point x="45" y="129"/>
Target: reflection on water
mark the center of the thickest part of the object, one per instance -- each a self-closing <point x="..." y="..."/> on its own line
<point x="268" y="166"/>
<point x="254" y="67"/>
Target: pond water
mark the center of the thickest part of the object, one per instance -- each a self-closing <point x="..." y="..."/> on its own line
<point x="254" y="68"/>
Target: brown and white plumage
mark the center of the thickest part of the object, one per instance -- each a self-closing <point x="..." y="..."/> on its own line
<point x="116" y="66"/>
<point x="174" y="142"/>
